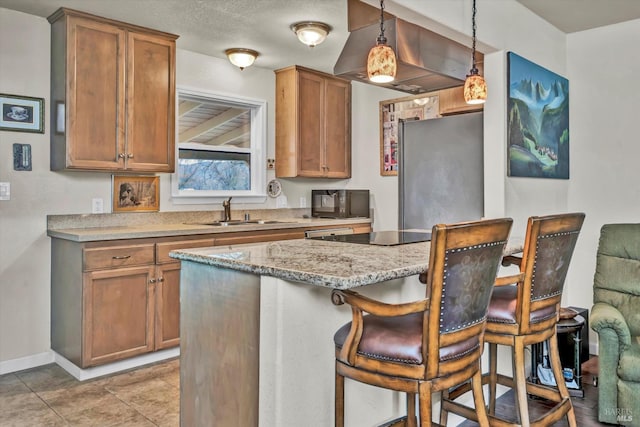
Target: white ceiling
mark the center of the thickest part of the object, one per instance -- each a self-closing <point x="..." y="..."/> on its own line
<point x="211" y="26"/>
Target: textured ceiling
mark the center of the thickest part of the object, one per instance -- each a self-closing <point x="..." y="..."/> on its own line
<point x="570" y="16"/>
<point x="211" y="26"/>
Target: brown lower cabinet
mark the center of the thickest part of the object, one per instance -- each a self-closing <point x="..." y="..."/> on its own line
<point x="115" y="299"/>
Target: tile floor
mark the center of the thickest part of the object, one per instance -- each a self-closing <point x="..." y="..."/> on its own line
<point x="49" y="396"/>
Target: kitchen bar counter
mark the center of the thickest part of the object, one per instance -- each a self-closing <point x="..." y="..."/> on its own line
<point x="329" y="264"/>
<point x="256" y="339"/>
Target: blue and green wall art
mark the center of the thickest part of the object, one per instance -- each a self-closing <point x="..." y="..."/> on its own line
<point x="537" y="121"/>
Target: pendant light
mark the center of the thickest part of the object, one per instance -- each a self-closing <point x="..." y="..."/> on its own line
<point x="381" y="62"/>
<point x="475" y="88"/>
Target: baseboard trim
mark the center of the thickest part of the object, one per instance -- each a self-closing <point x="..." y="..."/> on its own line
<point x="28" y="362"/>
<point x="111" y="368"/>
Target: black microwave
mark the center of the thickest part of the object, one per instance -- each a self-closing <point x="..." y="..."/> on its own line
<point x="340" y="203"/>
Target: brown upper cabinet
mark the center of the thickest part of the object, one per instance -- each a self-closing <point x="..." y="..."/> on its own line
<point x="452" y="102"/>
<point x="313" y="124"/>
<point x="112" y="95"/>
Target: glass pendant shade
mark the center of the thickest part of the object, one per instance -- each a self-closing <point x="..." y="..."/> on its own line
<point x="381" y="64"/>
<point x="311" y="33"/>
<point x="240" y="57"/>
<point x="475" y="89"/>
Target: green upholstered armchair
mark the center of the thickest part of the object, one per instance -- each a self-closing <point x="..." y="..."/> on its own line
<point x="615" y="316"/>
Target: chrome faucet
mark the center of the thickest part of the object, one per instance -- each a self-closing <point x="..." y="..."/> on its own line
<point x="226" y="204"/>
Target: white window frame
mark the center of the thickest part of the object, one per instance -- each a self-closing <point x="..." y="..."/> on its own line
<point x="257" y="192"/>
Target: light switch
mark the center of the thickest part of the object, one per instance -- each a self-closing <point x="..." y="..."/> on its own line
<point x="5" y="191"/>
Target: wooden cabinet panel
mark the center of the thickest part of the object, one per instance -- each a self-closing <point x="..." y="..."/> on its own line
<point x="451" y="101"/>
<point x="313" y="124"/>
<point x="151" y="103"/>
<point x="117" y="83"/>
<point x="167" y="322"/>
<point x="118" y="314"/>
<point x="118" y="256"/>
<point x="259" y="237"/>
<point x="163" y="248"/>
<point x="310" y="128"/>
<point x="338" y="129"/>
<point x="95" y="76"/>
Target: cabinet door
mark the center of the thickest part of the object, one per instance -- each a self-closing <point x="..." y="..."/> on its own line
<point x="150" y="103"/>
<point x="337" y="131"/>
<point x="95" y="89"/>
<point x="118" y="312"/>
<point x="310" y="125"/>
<point x="167" y="306"/>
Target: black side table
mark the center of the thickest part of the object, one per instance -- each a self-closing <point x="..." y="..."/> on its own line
<point x="574" y="327"/>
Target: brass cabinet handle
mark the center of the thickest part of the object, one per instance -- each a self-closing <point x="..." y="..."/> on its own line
<point x="122" y="257"/>
<point x="152" y="280"/>
<point x="130" y="156"/>
<point x="160" y="279"/>
<point x="121" y="156"/>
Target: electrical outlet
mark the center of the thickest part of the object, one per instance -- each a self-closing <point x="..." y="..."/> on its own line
<point x="271" y="163"/>
<point x="303" y="202"/>
<point x="97" y="206"/>
<point x="281" y="201"/>
<point x="5" y="191"/>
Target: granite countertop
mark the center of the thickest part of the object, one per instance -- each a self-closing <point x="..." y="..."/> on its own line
<point x="112" y="227"/>
<point x="337" y="265"/>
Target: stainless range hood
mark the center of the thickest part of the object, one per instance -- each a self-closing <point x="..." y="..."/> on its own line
<point x="427" y="61"/>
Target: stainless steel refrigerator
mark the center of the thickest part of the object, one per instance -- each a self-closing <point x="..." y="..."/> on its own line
<point x="440" y="171"/>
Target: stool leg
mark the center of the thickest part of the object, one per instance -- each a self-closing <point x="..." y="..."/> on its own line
<point x="478" y="398"/>
<point x="493" y="376"/>
<point x="339" y="401"/>
<point x="556" y="366"/>
<point x="520" y="382"/>
<point x="424" y="393"/>
<point x="411" y="410"/>
<point x="444" y="414"/>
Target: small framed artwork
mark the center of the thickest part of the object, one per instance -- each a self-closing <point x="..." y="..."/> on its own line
<point x="425" y="106"/>
<point x="136" y="193"/>
<point x="21" y="113"/>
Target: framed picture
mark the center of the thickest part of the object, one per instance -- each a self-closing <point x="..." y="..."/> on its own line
<point x="419" y="107"/>
<point x="21" y="113"/>
<point x="136" y="193"/>
<point x="537" y="121"/>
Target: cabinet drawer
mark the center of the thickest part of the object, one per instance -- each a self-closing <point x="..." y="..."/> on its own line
<point x="163" y="249"/>
<point x="118" y="256"/>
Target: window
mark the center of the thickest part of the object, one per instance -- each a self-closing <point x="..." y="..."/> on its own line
<point x="221" y="148"/>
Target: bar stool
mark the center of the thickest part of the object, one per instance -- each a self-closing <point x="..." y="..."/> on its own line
<point x="429" y="345"/>
<point x="523" y="311"/>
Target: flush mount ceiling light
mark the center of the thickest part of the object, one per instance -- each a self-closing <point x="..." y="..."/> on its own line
<point x="241" y="57"/>
<point x="311" y="33"/>
<point x="475" y="88"/>
<point x="381" y="62"/>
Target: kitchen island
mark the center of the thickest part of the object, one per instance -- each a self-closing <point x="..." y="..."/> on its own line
<point x="257" y="327"/>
